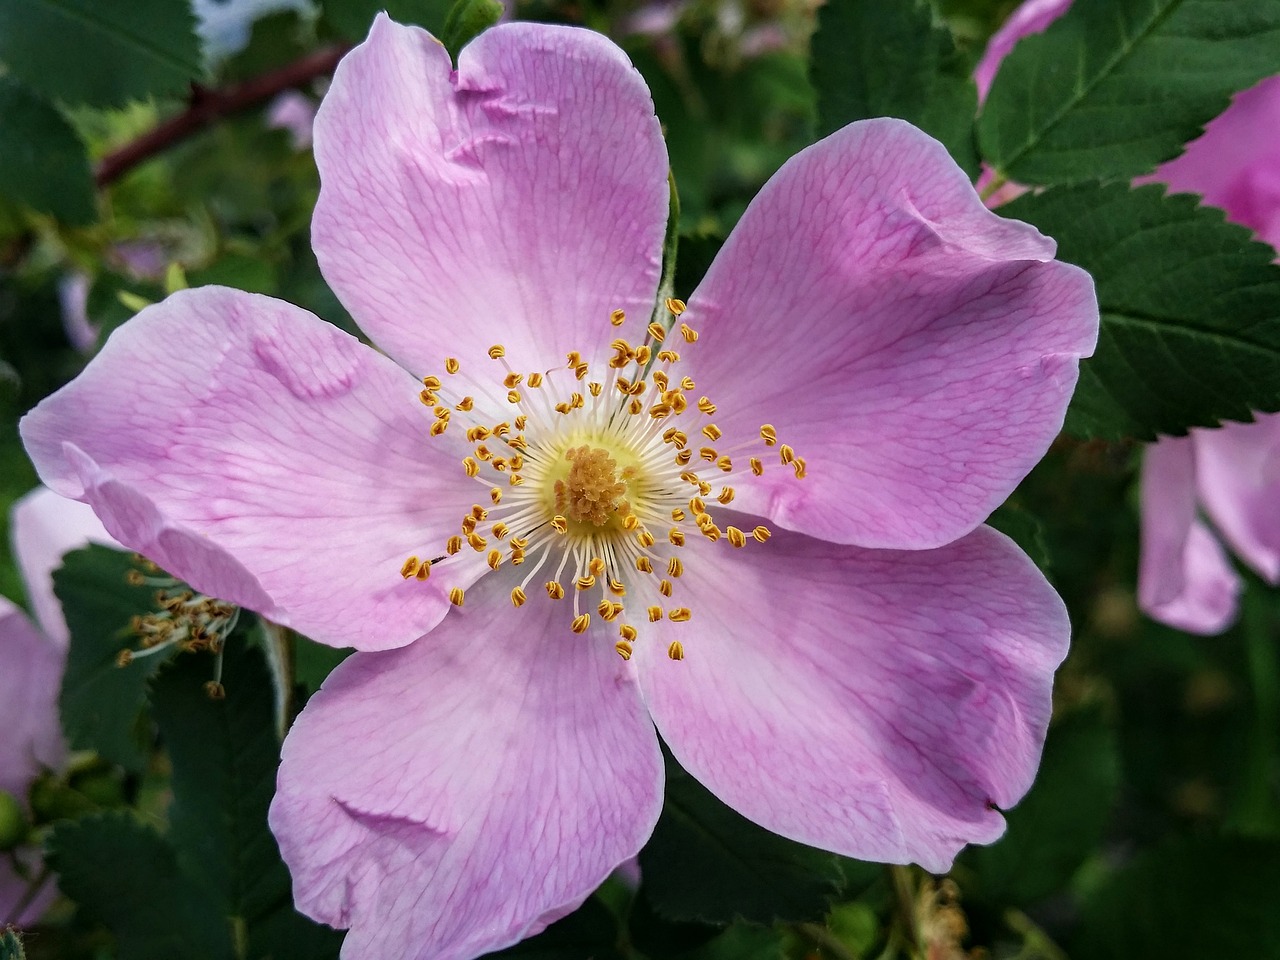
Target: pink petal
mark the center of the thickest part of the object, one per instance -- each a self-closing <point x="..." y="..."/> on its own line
<point x="459" y="794"/>
<point x="1184" y="578"/>
<point x="266" y="458"/>
<point x="916" y="349"/>
<point x="1238" y="473"/>
<point x="1033" y="16"/>
<point x="30" y="673"/>
<point x="516" y="201"/>
<point x="45" y="527"/>
<point x="875" y="703"/>
<point x="13" y="889"/>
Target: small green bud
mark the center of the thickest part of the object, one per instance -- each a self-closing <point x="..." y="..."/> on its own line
<point x="14" y="826"/>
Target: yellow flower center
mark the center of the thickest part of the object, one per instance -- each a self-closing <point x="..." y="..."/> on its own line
<point x="596" y="484"/>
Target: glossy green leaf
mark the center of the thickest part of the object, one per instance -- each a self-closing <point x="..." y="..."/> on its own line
<point x="125" y="876"/>
<point x="1188" y="900"/>
<point x="877" y="59"/>
<point x="466" y="20"/>
<point x="100" y="53"/>
<point x="1054" y="828"/>
<point x="352" y="18"/>
<point x="708" y="863"/>
<point x="1115" y="87"/>
<point x="101" y="702"/>
<point x="1190" y="309"/>
<point x="224" y="755"/>
<point x="43" y="164"/>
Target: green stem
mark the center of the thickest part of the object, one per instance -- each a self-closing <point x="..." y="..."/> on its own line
<point x="824" y="940"/>
<point x="1035" y="942"/>
<point x="997" y="181"/>
<point x="904" y="889"/>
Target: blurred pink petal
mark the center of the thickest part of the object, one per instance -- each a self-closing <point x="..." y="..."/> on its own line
<point x="295" y="113"/>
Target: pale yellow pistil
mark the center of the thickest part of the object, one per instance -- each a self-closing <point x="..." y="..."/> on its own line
<point x="597" y="483"/>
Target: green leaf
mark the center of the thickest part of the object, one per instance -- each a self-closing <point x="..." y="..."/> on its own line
<point x="708" y="863"/>
<point x="11" y="946"/>
<point x="1190" y="309"/>
<point x="43" y="164"/>
<point x="101" y="702"/>
<point x="125" y="876"/>
<point x="1116" y="87"/>
<point x="590" y="931"/>
<point x="466" y="20"/>
<point x="224" y="755"/>
<point x="877" y="59"/>
<point x="1188" y="900"/>
<point x="351" y="18"/>
<point x="1024" y="528"/>
<point x="101" y="54"/>
<point x="1059" y="822"/>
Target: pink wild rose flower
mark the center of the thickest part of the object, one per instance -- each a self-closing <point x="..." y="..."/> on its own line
<point x="754" y="525"/>
<point x="45" y="526"/>
<point x="1229" y="475"/>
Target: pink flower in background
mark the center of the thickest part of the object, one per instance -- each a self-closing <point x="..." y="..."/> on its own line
<point x="755" y="525"/>
<point x="1229" y="475"/>
<point x="45" y="526"/>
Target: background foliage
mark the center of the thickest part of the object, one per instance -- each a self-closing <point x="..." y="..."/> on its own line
<point x="137" y="155"/>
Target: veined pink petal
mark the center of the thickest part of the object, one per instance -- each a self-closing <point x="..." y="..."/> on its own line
<point x="1184" y="578"/>
<point x="45" y="527"/>
<point x="265" y="457"/>
<point x="916" y="349"/>
<point x="876" y="703"/>
<point x="30" y="672"/>
<point x="459" y="794"/>
<point x="518" y="201"/>
<point x="1238" y="471"/>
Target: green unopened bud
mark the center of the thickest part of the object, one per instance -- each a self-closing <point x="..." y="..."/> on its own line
<point x="14" y="826"/>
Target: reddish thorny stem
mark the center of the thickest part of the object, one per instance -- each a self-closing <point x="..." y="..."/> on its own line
<point x="208" y="106"/>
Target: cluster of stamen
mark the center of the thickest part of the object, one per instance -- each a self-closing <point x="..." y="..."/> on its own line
<point x="599" y="483"/>
<point x="184" y="620"/>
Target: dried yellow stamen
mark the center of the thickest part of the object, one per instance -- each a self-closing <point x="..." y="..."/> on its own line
<point x="456" y="596"/>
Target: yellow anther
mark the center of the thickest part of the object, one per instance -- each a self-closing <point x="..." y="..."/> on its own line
<point x="451" y="365"/>
<point x="644" y="565"/>
<point x="769" y="434"/>
<point x="595" y="388"/>
<point x="678" y="403"/>
<point x="519" y="543"/>
<point x="580" y="623"/>
<point x="609" y="610"/>
<point x="656" y="331"/>
<point x="431" y="383"/>
<point x="711" y="532"/>
<point x="683" y="457"/>
<point x="660" y="379"/>
<point x="675" y="567"/>
<point x="786" y="454"/>
<point x="712" y="432"/>
<point x="761" y="534"/>
<point x="534" y="381"/>
<point x="664" y="587"/>
<point x="799" y="466"/>
<point x="559" y="524"/>
<point x="478" y="433"/>
<point x="635" y="406"/>
<point x="706" y="406"/>
<point x="465" y="404"/>
<point x="516" y="480"/>
<point x="428" y="398"/>
<point x="617" y="587"/>
<point x="517" y="557"/>
<point x="645" y="538"/>
<point x="453" y="545"/>
<point x="655" y="614"/>
<point x="497" y="352"/>
<point x="677" y="514"/>
<point x="697" y="505"/>
<point x="735" y="536"/>
<point x="756" y="466"/>
<point x="439" y="427"/>
<point x="468" y="524"/>
<point x="442" y="413"/>
<point x="704" y="520"/>
<point x="563" y="407"/>
<point x="410" y="567"/>
<point x="725" y="463"/>
<point x="686" y="383"/>
<point x="580" y="371"/>
<point x="494" y="559"/>
<point x="483" y="453"/>
<point x="676" y="650"/>
<point x="501" y="429"/>
<point x="630" y="522"/>
<point x="477" y="542"/>
<point x="624" y="649"/>
<point x="596" y="566"/>
<point x="726" y="495"/>
<point x="668" y="356"/>
<point x="585" y="583"/>
<point x="520" y="422"/>
<point x="676" y="537"/>
<point x="576" y="401"/>
<point x="627" y="632"/>
<point x="660" y="410"/>
<point x="479" y="512"/>
<point x="643" y="354"/>
<point x="554" y="590"/>
<point x="517" y="597"/>
<point x="675" y="307"/>
<point x="680" y="615"/>
<point x="500" y="530"/>
<point x="456" y="596"/>
<point x="708" y="454"/>
<point x="689" y="477"/>
<point x="495" y="494"/>
<point x="517" y="462"/>
<point x="618" y="317"/>
<point x="512" y="380"/>
<point x="469" y="464"/>
<point x="513" y="396"/>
